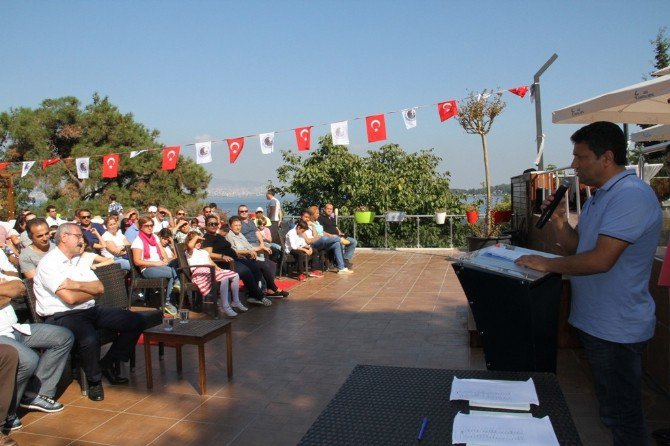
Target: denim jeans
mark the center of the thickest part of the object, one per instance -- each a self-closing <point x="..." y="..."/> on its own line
<point x="330" y="244"/>
<point x="617" y="376"/>
<point x="41" y="372"/>
<point x="166" y="272"/>
<point x="123" y="263"/>
<point x="350" y="248"/>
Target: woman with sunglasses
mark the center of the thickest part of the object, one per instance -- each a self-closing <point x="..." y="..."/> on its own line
<point x="149" y="255"/>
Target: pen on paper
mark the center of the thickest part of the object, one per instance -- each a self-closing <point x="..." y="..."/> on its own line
<point x="423" y="428"/>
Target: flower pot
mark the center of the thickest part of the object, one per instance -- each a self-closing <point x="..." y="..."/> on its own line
<point x="440" y="217"/>
<point x="472" y="216"/>
<point x="364" y="217"/>
<point x="501" y="216"/>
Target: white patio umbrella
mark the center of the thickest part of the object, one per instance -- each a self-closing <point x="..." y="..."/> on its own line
<point x="643" y="103"/>
<point x="655" y="133"/>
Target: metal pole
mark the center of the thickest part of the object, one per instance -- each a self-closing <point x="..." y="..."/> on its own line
<point x="538" y="107"/>
<point x="451" y="232"/>
<point x="386" y="234"/>
<point x="418" y="244"/>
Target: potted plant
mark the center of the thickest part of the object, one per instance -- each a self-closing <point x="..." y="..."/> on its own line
<point x="502" y="211"/>
<point x="481" y="236"/>
<point x="472" y="212"/>
<point x="363" y="215"/>
<point x="440" y="216"/>
<point x="476" y="115"/>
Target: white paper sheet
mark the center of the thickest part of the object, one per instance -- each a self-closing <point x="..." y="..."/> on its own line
<point x="502" y="429"/>
<point x="500" y="394"/>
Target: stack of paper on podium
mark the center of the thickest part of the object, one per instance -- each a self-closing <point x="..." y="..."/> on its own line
<point x="498" y="394"/>
<point x="497" y="428"/>
<point x="500" y="259"/>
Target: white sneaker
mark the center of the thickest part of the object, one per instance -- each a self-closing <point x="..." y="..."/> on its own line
<point x="229" y="312"/>
<point x="267" y="302"/>
<point x="238" y="306"/>
<point x="345" y="271"/>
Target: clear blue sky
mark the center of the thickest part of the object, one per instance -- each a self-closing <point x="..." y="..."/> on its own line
<point x="202" y="70"/>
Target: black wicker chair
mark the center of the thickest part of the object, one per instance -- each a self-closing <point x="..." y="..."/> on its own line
<point x="197" y="300"/>
<point x="138" y="282"/>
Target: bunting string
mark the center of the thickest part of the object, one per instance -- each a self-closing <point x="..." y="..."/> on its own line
<point x="375" y="126"/>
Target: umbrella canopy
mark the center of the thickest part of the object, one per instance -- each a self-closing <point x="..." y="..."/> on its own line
<point x="643" y="103"/>
<point x="655" y="133"/>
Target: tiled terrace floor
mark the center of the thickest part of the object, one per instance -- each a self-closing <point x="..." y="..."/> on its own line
<point x="399" y="308"/>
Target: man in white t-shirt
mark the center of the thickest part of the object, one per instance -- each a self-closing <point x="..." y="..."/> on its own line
<point x="52" y="217"/>
<point x="66" y="291"/>
<point x="275" y="215"/>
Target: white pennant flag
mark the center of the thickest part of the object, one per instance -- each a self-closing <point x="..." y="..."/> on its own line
<point x="203" y="151"/>
<point x="409" y="116"/>
<point x="340" y="132"/>
<point x="134" y="153"/>
<point x="26" y="167"/>
<point x="82" y="168"/>
<point x="267" y="142"/>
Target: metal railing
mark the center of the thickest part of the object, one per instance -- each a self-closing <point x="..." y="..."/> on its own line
<point x="450" y="220"/>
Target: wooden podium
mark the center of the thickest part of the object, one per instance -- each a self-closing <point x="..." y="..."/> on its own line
<point x="515" y="308"/>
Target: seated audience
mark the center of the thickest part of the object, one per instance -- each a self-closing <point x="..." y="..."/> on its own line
<point x="182" y="229"/>
<point x="201" y="276"/>
<point x="66" y="293"/>
<point x="129" y="219"/>
<point x="6" y="267"/>
<point x="249" y="254"/>
<point x="52" y="216"/>
<point x="92" y="260"/>
<point x="9" y="362"/>
<point x="18" y="237"/>
<point x="220" y="250"/>
<point x="297" y="246"/>
<point x="132" y="231"/>
<point x="116" y="244"/>
<point x="206" y="211"/>
<point x="92" y="231"/>
<point x="166" y="238"/>
<point x="195" y="226"/>
<point x="329" y="224"/>
<point x="260" y="215"/>
<point x="326" y="244"/>
<point x="38" y="373"/>
<point x="149" y="255"/>
<point x="40" y="235"/>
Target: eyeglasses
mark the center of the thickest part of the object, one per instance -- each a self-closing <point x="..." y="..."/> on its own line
<point x="242" y="211"/>
<point x="212" y="224"/>
<point x="162" y="212"/>
<point x="79" y="236"/>
<point x="85" y="216"/>
<point x="148" y="225"/>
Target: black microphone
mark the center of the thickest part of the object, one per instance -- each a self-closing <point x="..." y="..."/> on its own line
<point x="549" y="210"/>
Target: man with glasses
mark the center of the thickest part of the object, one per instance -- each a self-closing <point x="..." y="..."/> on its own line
<point x="40" y="235"/>
<point x="92" y="231"/>
<point x="66" y="291"/>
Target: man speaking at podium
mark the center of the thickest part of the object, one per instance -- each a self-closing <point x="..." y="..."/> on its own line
<point x="609" y="263"/>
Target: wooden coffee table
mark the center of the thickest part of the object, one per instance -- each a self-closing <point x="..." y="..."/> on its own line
<point x="195" y="332"/>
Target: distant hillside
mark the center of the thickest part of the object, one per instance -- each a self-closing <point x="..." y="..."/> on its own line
<point x="499" y="189"/>
<point x="219" y="187"/>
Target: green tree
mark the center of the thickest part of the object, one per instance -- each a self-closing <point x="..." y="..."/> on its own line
<point x="661" y="46"/>
<point x="386" y="179"/>
<point x="476" y="116"/>
<point x="61" y="128"/>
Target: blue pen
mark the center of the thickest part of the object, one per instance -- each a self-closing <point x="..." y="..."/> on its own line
<point x="423" y="428"/>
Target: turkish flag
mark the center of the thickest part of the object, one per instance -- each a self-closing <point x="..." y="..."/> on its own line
<point x="376" y="126"/>
<point x="3" y="165"/>
<point x="519" y="91"/>
<point x="49" y="162"/>
<point x="447" y="110"/>
<point x="110" y="165"/>
<point x="303" y="136"/>
<point x="235" y="146"/>
<point x="170" y="157"/>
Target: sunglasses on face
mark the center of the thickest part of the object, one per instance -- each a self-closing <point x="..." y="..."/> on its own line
<point x="212" y="224"/>
<point x="148" y="225"/>
<point x="243" y="211"/>
<point x="84" y="216"/>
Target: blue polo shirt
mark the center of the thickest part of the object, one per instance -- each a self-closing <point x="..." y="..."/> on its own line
<point x="249" y="231"/>
<point x="616" y="305"/>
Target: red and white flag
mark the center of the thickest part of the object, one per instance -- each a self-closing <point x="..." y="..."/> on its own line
<point x="82" y="167"/>
<point x="519" y="91"/>
<point x="303" y="136"/>
<point x="25" y="167"/>
<point x="376" y="127"/>
<point x="235" y="146"/>
<point x="203" y="152"/>
<point x="5" y="164"/>
<point x="170" y="158"/>
<point x="49" y="162"/>
<point x="110" y="165"/>
<point x="340" y="132"/>
<point x="447" y="109"/>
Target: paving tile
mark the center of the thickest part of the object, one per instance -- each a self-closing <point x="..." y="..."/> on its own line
<point x="189" y="433"/>
<point x="142" y="429"/>
<point x="166" y="405"/>
<point x="27" y="439"/>
<point x="73" y="422"/>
